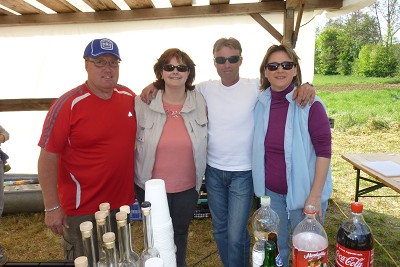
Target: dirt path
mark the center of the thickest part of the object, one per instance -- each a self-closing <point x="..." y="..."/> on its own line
<point x="358" y="87"/>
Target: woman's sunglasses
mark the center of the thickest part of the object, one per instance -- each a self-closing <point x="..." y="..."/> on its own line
<point x="287" y="65"/>
<point x="180" y="68"/>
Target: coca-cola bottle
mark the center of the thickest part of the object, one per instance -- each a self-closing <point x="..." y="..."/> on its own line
<point x="265" y="223"/>
<point x="310" y="243"/>
<point x="354" y="241"/>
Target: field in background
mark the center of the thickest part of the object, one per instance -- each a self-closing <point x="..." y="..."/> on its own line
<point x="366" y="120"/>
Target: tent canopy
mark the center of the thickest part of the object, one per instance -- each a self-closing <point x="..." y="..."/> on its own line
<point x="42" y="50"/>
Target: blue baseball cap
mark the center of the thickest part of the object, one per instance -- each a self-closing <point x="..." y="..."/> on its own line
<point x="99" y="47"/>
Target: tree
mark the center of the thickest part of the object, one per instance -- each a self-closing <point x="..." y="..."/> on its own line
<point x="387" y="16"/>
<point x="377" y="61"/>
<point x="326" y="51"/>
<point x="339" y="43"/>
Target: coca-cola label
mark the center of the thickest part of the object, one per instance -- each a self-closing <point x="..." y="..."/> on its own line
<point x="310" y="259"/>
<point x="346" y="257"/>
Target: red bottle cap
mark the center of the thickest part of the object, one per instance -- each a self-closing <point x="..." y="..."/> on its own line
<point x="357" y="207"/>
<point x="310" y="209"/>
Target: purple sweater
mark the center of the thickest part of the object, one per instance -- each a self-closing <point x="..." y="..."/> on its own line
<point x="319" y="129"/>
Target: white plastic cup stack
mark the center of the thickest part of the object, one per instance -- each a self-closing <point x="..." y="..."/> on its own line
<point x="154" y="262"/>
<point x="156" y="194"/>
<point x="163" y="232"/>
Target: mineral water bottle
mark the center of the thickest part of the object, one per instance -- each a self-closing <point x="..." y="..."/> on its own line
<point x="88" y="242"/>
<point x="265" y="223"/>
<point x="310" y="243"/>
<point x="354" y="241"/>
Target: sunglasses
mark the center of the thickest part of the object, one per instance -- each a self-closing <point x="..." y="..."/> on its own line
<point x="180" y="68"/>
<point x="231" y="59"/>
<point x="287" y="65"/>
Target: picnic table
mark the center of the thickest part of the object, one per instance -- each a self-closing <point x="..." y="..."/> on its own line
<point x="383" y="170"/>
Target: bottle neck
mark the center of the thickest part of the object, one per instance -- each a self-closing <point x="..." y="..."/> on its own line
<point x="88" y="247"/>
<point x="357" y="217"/>
<point x="101" y="230"/>
<point x="123" y="241"/>
<point x="148" y="232"/>
<point x="111" y="254"/>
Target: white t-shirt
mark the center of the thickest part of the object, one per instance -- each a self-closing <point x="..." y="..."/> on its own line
<point x="230" y="122"/>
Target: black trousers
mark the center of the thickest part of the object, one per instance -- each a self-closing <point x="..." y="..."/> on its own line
<point x="181" y="208"/>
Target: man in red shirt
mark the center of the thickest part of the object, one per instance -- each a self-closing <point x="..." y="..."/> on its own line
<point x="87" y="148"/>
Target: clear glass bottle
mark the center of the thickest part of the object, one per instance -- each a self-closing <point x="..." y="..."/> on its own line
<point x="125" y="258"/>
<point x="101" y="230"/>
<point x="81" y="261"/>
<point x="265" y="223"/>
<point x="111" y="253"/>
<point x="88" y="242"/>
<point x="310" y="243"/>
<point x="127" y="209"/>
<point x="106" y="207"/>
<point x="149" y="250"/>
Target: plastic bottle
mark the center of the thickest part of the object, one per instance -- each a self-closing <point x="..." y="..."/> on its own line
<point x="310" y="243"/>
<point x="88" y="242"/>
<point x="354" y="241"/>
<point x="265" y="223"/>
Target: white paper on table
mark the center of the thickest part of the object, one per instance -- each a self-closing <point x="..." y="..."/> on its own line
<point x="387" y="168"/>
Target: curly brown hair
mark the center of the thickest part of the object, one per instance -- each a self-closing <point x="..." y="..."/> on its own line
<point x="180" y="56"/>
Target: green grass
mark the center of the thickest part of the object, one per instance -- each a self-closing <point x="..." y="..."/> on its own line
<point x="337" y="80"/>
<point x="365" y="109"/>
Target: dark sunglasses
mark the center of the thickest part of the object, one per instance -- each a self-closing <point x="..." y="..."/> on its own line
<point x="286" y="65"/>
<point x="231" y="59"/>
<point x="180" y="68"/>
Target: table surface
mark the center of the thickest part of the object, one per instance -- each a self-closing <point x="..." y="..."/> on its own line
<point x="357" y="161"/>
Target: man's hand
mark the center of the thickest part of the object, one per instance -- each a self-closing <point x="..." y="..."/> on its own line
<point x="55" y="220"/>
<point x="305" y="93"/>
<point x="148" y="93"/>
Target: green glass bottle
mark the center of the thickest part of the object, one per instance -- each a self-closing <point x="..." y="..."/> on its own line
<point x="269" y="260"/>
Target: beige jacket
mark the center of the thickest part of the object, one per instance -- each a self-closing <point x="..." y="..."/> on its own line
<point x="4" y="133"/>
<point x="150" y="121"/>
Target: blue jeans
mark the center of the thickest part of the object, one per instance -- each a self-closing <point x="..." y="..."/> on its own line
<point x="288" y="221"/>
<point x="230" y="199"/>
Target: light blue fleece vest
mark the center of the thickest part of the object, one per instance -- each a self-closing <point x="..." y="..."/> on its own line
<point x="300" y="155"/>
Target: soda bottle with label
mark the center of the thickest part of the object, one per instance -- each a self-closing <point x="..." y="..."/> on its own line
<point x="310" y="243"/>
<point x="354" y="241"/>
<point x="265" y="223"/>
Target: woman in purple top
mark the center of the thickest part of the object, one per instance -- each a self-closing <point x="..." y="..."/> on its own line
<point x="291" y="146"/>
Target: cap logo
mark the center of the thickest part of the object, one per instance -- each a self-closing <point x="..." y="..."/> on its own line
<point x="106" y="44"/>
